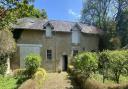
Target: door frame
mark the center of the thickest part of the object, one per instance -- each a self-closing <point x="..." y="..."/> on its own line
<point x="26" y="45"/>
<point x="64" y="62"/>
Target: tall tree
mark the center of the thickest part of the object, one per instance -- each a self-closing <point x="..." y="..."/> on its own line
<point x="103" y="13"/>
<point x="14" y="9"/>
<point x="122" y="21"/>
<point x="10" y="11"/>
<point x="96" y="12"/>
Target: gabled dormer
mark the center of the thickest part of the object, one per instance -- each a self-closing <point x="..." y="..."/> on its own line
<point x="48" y="29"/>
<point x="76" y="29"/>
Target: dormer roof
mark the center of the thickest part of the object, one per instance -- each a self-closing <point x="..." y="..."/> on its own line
<point x="76" y="25"/>
<point x="48" y="24"/>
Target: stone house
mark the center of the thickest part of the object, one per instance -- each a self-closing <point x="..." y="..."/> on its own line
<point x="56" y="41"/>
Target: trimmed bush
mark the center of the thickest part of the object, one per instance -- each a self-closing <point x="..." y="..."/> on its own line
<point x="113" y="64"/>
<point x="32" y="63"/>
<point x="40" y="77"/>
<point x="86" y="63"/>
<point x="94" y="84"/>
<point x="118" y="64"/>
<point x="109" y="64"/>
<point x="18" y="72"/>
<point x="37" y="80"/>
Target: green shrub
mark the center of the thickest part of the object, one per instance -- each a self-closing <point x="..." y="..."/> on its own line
<point x="104" y="64"/>
<point x="113" y="64"/>
<point x="36" y="82"/>
<point x="40" y="77"/>
<point x="32" y="63"/>
<point x="18" y="72"/>
<point x="86" y="63"/>
<point x="3" y="65"/>
<point x="118" y="64"/>
<point x="7" y="82"/>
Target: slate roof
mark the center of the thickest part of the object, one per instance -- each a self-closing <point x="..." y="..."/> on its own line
<point x="62" y="26"/>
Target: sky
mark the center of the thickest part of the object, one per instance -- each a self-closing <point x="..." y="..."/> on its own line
<point x="69" y="10"/>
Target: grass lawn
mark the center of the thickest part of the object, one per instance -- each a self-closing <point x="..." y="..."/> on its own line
<point x="7" y="82"/>
<point x="98" y="77"/>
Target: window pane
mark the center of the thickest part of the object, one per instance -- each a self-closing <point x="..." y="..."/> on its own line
<point x="49" y="54"/>
<point x="75" y="37"/>
<point x="75" y="52"/>
<point x="48" y="32"/>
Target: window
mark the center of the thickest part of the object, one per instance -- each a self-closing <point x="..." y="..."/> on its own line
<point x="49" y="54"/>
<point x="48" y="31"/>
<point x="75" y="52"/>
<point x="75" y="37"/>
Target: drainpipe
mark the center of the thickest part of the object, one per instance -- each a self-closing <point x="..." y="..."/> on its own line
<point x="55" y="51"/>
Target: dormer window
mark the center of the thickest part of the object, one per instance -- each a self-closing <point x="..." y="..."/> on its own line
<point x="76" y="35"/>
<point x="48" y="29"/>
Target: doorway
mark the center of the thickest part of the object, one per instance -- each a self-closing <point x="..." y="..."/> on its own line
<point x="65" y="63"/>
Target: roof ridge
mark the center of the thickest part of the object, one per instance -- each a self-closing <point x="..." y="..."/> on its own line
<point x="63" y="21"/>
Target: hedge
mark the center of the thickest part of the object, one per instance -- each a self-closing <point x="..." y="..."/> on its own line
<point x="110" y="64"/>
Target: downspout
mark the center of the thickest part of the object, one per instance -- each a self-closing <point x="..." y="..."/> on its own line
<point x="55" y="51"/>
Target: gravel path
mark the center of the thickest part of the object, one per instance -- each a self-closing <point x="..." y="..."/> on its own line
<point x="59" y="81"/>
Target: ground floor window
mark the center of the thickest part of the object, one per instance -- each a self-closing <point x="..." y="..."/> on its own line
<point x="49" y="54"/>
<point x="75" y="52"/>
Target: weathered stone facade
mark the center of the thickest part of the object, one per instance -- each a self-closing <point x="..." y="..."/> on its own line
<point x="60" y="43"/>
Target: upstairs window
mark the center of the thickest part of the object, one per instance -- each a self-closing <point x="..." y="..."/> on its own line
<point x="48" y="31"/>
<point x="75" y="36"/>
<point x="49" y="54"/>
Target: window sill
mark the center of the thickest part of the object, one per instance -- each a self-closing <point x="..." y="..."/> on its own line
<point x="76" y="44"/>
<point x="48" y="37"/>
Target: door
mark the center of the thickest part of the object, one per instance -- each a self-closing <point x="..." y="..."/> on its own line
<point x="26" y="50"/>
<point x="65" y="63"/>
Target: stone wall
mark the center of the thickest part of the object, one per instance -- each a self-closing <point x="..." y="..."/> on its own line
<point x="60" y="43"/>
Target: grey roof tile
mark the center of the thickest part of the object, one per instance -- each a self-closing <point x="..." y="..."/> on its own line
<point x="62" y="26"/>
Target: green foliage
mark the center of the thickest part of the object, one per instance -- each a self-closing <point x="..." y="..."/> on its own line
<point x="11" y="10"/>
<point x="32" y="63"/>
<point x="114" y="21"/>
<point x="110" y="64"/>
<point x="29" y="11"/>
<point x="123" y="27"/>
<point x="40" y="76"/>
<point x="7" y="48"/>
<point x="104" y="64"/>
<point x="7" y="82"/>
<point x="18" y="72"/>
<point x="113" y="64"/>
<point x="3" y="65"/>
<point x="8" y="45"/>
<point x="86" y="63"/>
<point x="118" y="63"/>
